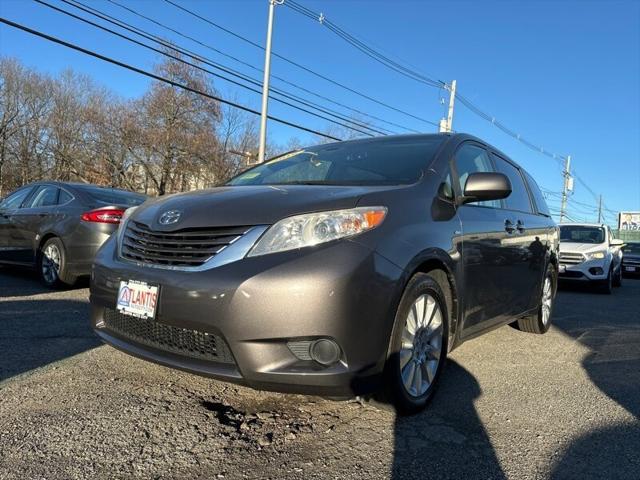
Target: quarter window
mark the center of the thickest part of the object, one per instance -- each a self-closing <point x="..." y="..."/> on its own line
<point x="473" y="159"/>
<point x="64" y="197"/>
<point x="519" y="197"/>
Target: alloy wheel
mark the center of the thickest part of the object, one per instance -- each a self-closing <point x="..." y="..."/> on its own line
<point x="547" y="300"/>
<point x="51" y="263"/>
<point x="421" y="345"/>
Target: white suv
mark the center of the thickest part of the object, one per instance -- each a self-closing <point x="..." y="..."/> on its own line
<point x="589" y="253"/>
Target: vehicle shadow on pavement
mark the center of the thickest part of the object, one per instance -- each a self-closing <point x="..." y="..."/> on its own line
<point x="448" y="439"/>
<point x="35" y="333"/>
<point x="23" y="282"/>
<point x="613" y="365"/>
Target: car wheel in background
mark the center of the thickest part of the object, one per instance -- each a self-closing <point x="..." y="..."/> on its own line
<point x="617" y="278"/>
<point x="52" y="264"/>
<point x="541" y="320"/>
<point x="418" y="346"/>
<point x="607" y="285"/>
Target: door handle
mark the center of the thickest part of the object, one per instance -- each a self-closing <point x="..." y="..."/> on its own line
<point x="520" y="226"/>
<point x="509" y="227"/>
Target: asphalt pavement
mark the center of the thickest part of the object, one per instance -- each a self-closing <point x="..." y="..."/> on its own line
<point x="511" y="405"/>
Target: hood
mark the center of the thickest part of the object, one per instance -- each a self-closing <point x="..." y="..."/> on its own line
<point x="247" y="205"/>
<point x="581" y="247"/>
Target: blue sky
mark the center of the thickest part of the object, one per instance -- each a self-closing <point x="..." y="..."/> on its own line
<point x="564" y="74"/>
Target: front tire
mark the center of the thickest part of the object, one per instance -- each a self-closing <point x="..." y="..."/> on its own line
<point x="52" y="265"/>
<point x="617" y="278"/>
<point x="418" y="344"/>
<point x="541" y="321"/>
<point x="607" y="286"/>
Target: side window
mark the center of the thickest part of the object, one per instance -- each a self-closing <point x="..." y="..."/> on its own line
<point x="538" y="197"/>
<point x="15" y="199"/>
<point x="64" y="197"/>
<point x="519" y="197"/>
<point x="472" y="159"/>
<point x="45" y="196"/>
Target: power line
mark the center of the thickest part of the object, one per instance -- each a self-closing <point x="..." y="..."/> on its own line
<point x="158" y="77"/>
<point x="200" y="58"/>
<point x="242" y="62"/>
<point x="363" y="47"/>
<point x="415" y="75"/>
<point x="237" y="75"/>
<point x="298" y="65"/>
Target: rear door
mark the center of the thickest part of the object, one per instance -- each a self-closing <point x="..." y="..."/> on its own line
<point x="38" y="215"/>
<point x="483" y="257"/>
<point x="8" y="209"/>
<point x="525" y="244"/>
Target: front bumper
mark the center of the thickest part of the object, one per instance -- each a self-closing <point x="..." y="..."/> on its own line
<point x="587" y="271"/>
<point x="341" y="290"/>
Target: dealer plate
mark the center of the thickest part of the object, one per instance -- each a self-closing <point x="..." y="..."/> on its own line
<point x="629" y="269"/>
<point x="138" y="299"/>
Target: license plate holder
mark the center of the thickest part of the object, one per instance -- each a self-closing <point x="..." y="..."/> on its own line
<point x="137" y="299"/>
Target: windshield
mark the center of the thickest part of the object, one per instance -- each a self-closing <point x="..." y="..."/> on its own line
<point x="109" y="196"/>
<point x="632" y="248"/>
<point x="581" y="234"/>
<point x="386" y="162"/>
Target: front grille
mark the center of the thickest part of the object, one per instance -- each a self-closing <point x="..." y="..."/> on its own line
<point x="571" y="258"/>
<point x="183" y="341"/>
<point x="631" y="262"/>
<point x="189" y="247"/>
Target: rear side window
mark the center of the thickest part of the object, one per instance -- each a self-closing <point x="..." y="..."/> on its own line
<point x="45" y="196"/>
<point x="15" y="199"/>
<point x="538" y="198"/>
<point x="472" y="159"/>
<point x="519" y="197"/>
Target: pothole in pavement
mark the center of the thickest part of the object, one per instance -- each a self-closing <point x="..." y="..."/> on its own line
<point x="269" y="428"/>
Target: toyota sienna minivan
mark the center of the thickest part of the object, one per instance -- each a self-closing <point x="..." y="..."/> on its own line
<point x="337" y="270"/>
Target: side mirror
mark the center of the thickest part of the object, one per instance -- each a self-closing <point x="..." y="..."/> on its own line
<point x="486" y="186"/>
<point x="616" y="242"/>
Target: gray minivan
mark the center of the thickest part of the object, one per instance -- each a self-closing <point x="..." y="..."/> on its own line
<point x="335" y="270"/>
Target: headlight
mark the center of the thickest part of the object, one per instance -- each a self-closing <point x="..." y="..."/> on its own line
<point x="596" y="255"/>
<point x="127" y="213"/>
<point x="314" y="228"/>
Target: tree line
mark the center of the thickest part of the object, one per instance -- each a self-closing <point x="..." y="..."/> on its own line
<point x="169" y="140"/>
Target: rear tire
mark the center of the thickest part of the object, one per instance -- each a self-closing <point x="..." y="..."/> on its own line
<point x="541" y="321"/>
<point x="52" y="265"/>
<point x="418" y="346"/>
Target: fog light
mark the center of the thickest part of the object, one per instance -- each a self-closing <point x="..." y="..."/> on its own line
<point x="325" y="351"/>
<point x="596" y="271"/>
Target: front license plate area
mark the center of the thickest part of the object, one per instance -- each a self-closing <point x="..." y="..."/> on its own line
<point x="630" y="269"/>
<point x="562" y="268"/>
<point x="138" y="299"/>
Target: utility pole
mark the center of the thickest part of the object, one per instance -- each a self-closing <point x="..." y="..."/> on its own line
<point x="265" y="81"/>
<point x="600" y="209"/>
<point x="446" y="124"/>
<point x="565" y="189"/>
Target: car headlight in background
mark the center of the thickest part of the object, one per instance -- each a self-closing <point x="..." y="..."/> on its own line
<point x="596" y="255"/>
<point x="313" y="228"/>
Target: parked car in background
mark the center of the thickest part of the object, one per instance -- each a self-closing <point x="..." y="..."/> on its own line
<point x="631" y="259"/>
<point x="334" y="270"/>
<point x="589" y="253"/>
<point x="58" y="227"/>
